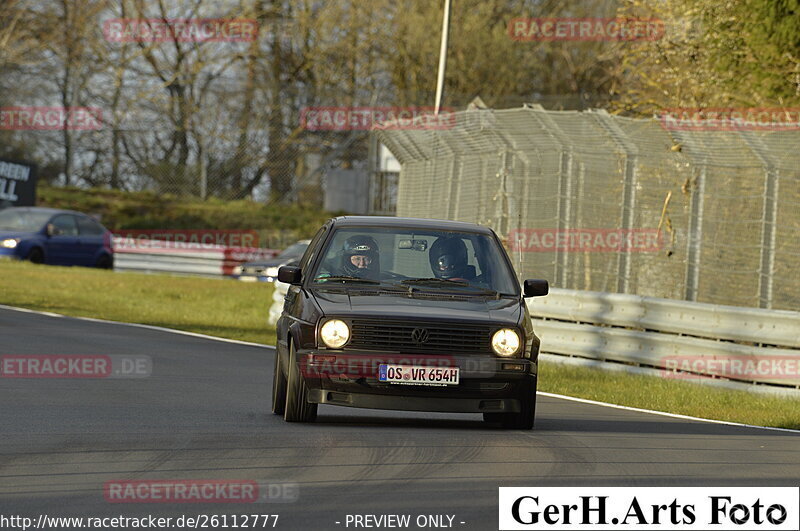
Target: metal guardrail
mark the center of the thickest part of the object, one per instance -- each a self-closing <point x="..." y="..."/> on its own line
<point x="186" y="259"/>
<point x="680" y="337"/>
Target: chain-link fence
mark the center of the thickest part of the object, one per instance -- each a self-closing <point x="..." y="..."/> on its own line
<point x="725" y="204"/>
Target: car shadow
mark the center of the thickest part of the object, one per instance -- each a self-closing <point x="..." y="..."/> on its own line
<point x="378" y="421"/>
<point x="611" y="426"/>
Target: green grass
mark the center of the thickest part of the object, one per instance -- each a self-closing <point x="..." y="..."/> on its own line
<point x="238" y="310"/>
<point x="217" y="307"/>
<point x="684" y="398"/>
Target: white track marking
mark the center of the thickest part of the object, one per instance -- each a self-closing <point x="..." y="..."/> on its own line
<point x="138" y="325"/>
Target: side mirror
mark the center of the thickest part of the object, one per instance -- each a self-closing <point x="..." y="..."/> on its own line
<point x="535" y="288"/>
<point x="290" y="275"/>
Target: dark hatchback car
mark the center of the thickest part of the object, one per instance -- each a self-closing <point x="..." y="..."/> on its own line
<point x="406" y="314"/>
<point x="56" y="237"/>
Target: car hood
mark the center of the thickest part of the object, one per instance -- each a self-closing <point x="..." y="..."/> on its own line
<point x="356" y="303"/>
<point x="4" y="234"/>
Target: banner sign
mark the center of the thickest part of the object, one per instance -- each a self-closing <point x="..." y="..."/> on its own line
<point x="17" y="183"/>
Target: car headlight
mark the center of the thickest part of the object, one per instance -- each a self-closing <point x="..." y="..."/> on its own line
<point x="9" y="243"/>
<point x="334" y="333"/>
<point x="505" y="342"/>
<point x="271" y="272"/>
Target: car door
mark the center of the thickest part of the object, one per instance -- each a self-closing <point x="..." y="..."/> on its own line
<point x="90" y="234"/>
<point x="63" y="245"/>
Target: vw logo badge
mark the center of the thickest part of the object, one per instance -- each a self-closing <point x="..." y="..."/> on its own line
<point x="419" y="335"/>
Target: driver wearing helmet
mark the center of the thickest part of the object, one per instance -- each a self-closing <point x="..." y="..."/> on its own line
<point x="360" y="257"/>
<point x="448" y="258"/>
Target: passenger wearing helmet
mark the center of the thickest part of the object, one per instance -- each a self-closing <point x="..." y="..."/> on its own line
<point x="360" y="257"/>
<point x="448" y="258"/>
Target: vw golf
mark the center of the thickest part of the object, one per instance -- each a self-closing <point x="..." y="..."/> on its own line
<point x="406" y="314"/>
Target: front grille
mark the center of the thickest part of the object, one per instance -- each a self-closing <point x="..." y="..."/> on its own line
<point x="373" y="334"/>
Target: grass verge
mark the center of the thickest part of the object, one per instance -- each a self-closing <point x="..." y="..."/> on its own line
<point x="238" y="310"/>
<point x="217" y="307"/>
<point x="277" y="225"/>
<point x="683" y="398"/>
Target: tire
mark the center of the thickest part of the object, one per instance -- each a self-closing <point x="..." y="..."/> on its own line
<point x="298" y="409"/>
<point x="35" y="256"/>
<point x="527" y="410"/>
<point x="104" y="262"/>
<point x="278" y="388"/>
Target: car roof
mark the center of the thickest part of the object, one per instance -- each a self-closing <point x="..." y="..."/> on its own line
<point x="421" y="223"/>
<point x="46" y="210"/>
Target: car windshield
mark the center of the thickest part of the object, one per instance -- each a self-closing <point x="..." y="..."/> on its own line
<point x="296" y="249"/>
<point x="23" y="220"/>
<point x="416" y="259"/>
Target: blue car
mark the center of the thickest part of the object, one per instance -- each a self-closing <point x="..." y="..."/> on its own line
<point x="56" y="237"/>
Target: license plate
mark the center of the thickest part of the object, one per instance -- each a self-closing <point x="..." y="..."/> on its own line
<point x="417" y="375"/>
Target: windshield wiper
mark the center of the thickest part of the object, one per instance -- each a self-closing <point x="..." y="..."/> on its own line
<point x="322" y="280"/>
<point x="435" y="282"/>
<point x="451" y="283"/>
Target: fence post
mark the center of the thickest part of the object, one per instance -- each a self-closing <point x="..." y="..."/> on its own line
<point x="769" y="218"/>
<point x="694" y="240"/>
<point x="454" y="186"/>
<point x="373" y="167"/>
<point x="566" y="172"/>
<point x="622" y="141"/>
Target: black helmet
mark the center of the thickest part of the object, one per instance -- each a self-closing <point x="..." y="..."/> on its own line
<point x="448" y="257"/>
<point x="360" y="246"/>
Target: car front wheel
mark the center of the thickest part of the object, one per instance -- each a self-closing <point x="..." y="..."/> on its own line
<point x="298" y="408"/>
<point x="278" y="388"/>
<point x="36" y="256"/>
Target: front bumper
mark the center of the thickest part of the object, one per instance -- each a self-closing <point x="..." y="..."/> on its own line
<point x="487" y="384"/>
<point x="414" y="403"/>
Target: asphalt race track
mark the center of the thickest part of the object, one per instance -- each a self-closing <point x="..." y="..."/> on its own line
<point x="204" y="414"/>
